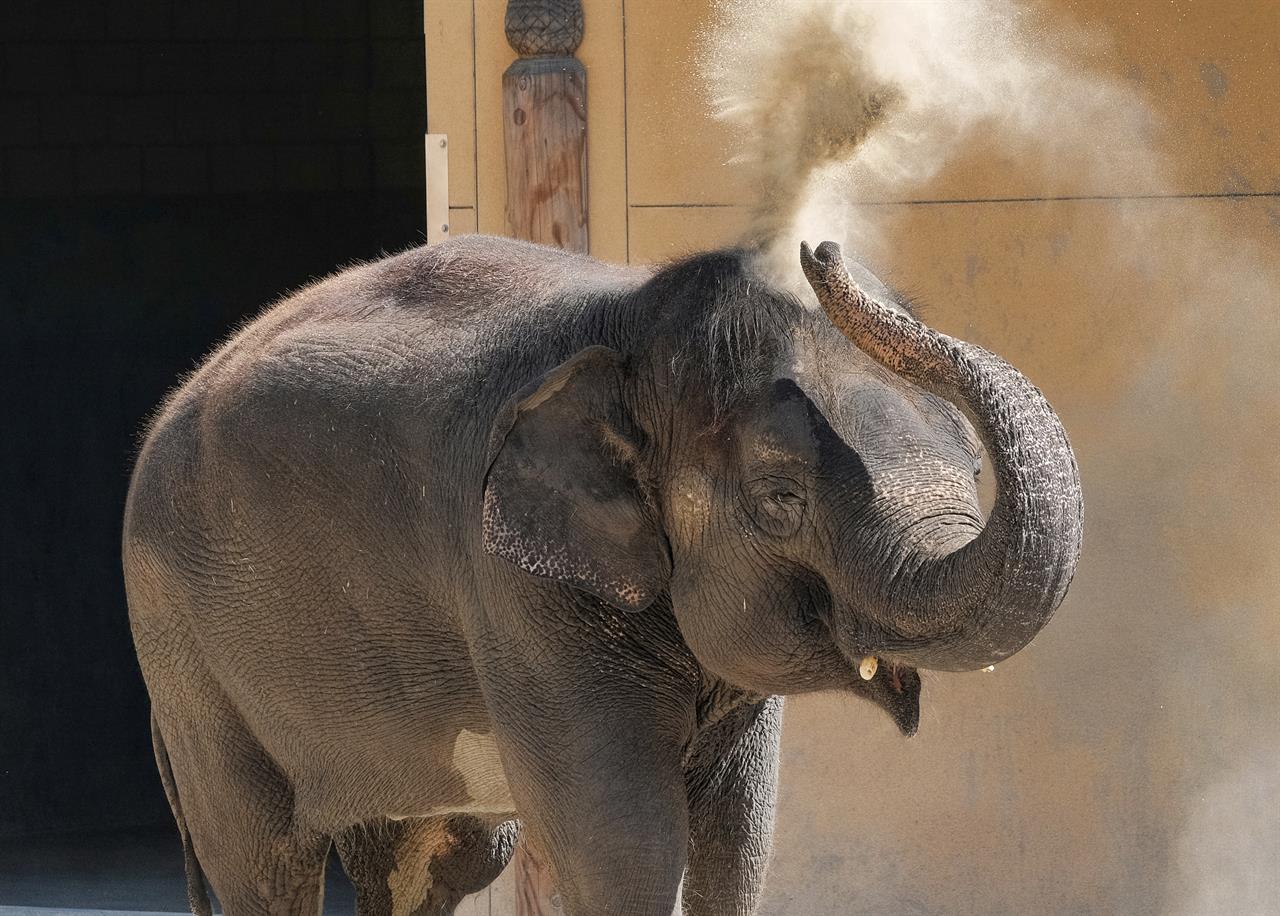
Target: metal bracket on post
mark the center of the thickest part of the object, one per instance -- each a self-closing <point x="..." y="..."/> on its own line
<point x="437" y="161"/>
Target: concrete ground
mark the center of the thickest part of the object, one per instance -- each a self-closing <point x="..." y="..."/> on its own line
<point x="137" y="871"/>
<point x="140" y="872"/>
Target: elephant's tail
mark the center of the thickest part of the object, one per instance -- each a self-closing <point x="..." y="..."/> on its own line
<point x="197" y="895"/>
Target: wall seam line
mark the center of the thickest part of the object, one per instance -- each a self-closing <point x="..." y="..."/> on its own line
<point x="1209" y="195"/>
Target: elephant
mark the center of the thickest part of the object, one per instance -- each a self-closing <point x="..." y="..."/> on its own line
<point x="487" y="531"/>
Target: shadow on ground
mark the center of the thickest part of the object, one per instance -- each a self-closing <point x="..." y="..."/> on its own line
<point x="138" y="871"/>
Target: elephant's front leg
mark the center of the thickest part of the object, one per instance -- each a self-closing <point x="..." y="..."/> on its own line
<point x="732" y="780"/>
<point x="594" y="767"/>
<point x="610" y="818"/>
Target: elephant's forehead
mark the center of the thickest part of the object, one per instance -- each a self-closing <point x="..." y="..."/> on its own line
<point x="783" y="428"/>
<point x="869" y="411"/>
<point x="845" y="383"/>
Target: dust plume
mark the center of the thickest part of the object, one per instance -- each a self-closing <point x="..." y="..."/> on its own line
<point x="837" y="104"/>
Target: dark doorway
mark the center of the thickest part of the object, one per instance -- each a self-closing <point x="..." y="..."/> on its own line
<point x="166" y="169"/>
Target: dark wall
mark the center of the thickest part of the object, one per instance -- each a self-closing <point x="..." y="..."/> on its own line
<point x="166" y="168"/>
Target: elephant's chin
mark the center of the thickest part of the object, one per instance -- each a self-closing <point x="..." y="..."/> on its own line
<point x="894" y="688"/>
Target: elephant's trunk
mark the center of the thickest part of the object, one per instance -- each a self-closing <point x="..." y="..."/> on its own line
<point x="981" y="603"/>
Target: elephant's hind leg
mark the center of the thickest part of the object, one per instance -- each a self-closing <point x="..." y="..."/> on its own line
<point x="239" y="809"/>
<point x="423" y="866"/>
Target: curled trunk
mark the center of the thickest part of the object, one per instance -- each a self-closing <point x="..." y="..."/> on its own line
<point x="981" y="603"/>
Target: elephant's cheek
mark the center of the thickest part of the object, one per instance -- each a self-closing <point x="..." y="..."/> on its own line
<point x="690" y="507"/>
<point x="709" y="630"/>
<point x="732" y="632"/>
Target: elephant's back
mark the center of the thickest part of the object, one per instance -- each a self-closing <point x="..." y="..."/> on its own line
<point x="301" y="422"/>
<point x="385" y="376"/>
<point x="433" y="328"/>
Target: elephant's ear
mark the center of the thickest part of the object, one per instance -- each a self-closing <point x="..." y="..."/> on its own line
<point x="561" y="498"/>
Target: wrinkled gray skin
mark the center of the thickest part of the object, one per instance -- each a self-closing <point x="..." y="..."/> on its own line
<point x="486" y="530"/>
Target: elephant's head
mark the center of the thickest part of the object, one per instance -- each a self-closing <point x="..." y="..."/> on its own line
<point x="799" y="485"/>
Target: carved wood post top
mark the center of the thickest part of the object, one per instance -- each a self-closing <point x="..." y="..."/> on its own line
<point x="544" y="107"/>
<point x="541" y="28"/>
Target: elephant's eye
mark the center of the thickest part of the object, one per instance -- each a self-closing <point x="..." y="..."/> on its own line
<point x="776" y="510"/>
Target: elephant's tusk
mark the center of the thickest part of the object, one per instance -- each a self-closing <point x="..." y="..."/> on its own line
<point x="989" y="668"/>
<point x="867" y="667"/>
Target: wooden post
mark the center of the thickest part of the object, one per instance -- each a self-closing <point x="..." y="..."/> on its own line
<point x="544" y="109"/>
<point x="535" y="890"/>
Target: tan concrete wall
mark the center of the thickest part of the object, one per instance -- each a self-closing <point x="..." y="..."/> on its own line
<point x="1128" y="761"/>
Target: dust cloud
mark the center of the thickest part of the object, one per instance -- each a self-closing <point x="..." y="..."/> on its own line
<point x="845" y="111"/>
<point x="837" y="103"/>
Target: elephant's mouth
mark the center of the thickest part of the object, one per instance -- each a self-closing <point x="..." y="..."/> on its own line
<point x="895" y="688"/>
